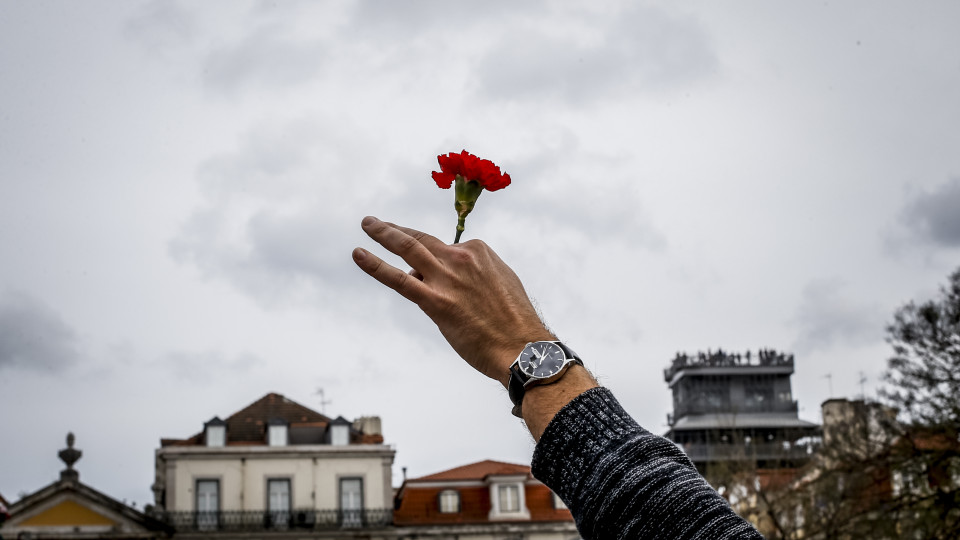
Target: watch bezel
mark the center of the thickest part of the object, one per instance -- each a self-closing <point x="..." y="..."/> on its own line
<point x="524" y="363"/>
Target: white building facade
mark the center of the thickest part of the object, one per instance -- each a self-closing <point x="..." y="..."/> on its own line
<point x="273" y="468"/>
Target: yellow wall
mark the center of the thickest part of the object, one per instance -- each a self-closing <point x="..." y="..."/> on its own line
<point x="67" y="513"/>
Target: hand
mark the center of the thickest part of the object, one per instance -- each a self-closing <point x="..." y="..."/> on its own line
<point x="475" y="299"/>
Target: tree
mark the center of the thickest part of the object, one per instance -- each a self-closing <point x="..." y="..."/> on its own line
<point x="923" y="384"/>
<point x="890" y="469"/>
<point x="924" y="373"/>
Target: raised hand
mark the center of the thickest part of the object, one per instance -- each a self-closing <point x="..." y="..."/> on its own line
<point x="475" y="299"/>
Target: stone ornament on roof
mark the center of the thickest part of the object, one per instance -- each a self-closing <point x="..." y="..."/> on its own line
<point x="70" y="455"/>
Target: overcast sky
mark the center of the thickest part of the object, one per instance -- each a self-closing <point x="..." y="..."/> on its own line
<point x="181" y="185"/>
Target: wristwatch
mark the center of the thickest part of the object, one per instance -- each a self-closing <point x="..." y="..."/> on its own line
<point x="540" y="362"/>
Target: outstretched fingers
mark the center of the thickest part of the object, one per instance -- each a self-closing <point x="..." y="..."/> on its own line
<point x="409" y="247"/>
<point x="408" y="286"/>
<point x="430" y="242"/>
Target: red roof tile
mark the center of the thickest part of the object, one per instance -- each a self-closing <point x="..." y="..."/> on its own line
<point x="476" y="471"/>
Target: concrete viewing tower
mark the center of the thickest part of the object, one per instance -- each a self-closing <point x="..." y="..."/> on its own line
<point x="734" y="408"/>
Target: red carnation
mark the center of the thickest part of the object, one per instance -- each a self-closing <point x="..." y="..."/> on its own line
<point x="471" y="175"/>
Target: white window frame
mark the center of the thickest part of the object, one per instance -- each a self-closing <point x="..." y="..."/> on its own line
<point x="508" y="498"/>
<point x="280" y="516"/>
<point x="277" y="435"/>
<point x="448" y="501"/>
<point x="351" y="516"/>
<point x="207" y="519"/>
<point x="339" y="435"/>
<point x="216" y="436"/>
<point x="518" y="484"/>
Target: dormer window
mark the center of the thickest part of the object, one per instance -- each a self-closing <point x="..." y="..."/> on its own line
<point x="449" y="501"/>
<point x="277" y="433"/>
<point x="508" y="498"/>
<point x="340" y="432"/>
<point x="215" y="432"/>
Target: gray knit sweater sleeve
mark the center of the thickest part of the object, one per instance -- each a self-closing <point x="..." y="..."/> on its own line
<point x="621" y="481"/>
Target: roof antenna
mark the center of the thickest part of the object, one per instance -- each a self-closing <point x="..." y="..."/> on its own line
<point x="829" y="378"/>
<point x="863" y="379"/>
<point x="323" y="401"/>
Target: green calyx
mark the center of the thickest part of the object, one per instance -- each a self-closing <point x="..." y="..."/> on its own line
<point x="466" y="193"/>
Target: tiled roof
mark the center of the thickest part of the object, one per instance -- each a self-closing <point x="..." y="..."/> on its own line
<point x="476" y="471"/>
<point x="248" y="425"/>
<point x="418" y="498"/>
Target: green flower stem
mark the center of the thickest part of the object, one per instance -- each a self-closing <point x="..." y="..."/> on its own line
<point x="459" y="229"/>
<point x="466" y="194"/>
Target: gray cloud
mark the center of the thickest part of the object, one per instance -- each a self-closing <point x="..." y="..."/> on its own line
<point x="265" y="58"/>
<point x="827" y="318"/>
<point x="160" y="25"/>
<point x="274" y="222"/>
<point x="33" y="336"/>
<point x="935" y="215"/>
<point x="206" y="366"/>
<point x="573" y="205"/>
<point x="411" y="18"/>
<point x="640" y="49"/>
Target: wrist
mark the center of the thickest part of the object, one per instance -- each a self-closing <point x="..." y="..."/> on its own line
<point x="541" y="403"/>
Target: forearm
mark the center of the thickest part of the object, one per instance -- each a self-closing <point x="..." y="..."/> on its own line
<point x="542" y="403"/>
<point x="621" y="481"/>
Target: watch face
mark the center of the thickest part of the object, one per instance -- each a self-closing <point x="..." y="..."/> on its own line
<point x="541" y="359"/>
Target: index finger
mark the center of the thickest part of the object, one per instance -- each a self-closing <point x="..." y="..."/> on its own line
<point x="430" y="242"/>
<point x="398" y="242"/>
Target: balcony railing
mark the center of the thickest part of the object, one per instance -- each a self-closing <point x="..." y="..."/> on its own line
<point x="751" y="452"/>
<point x="269" y="520"/>
<point x="764" y="358"/>
<point x="728" y="409"/>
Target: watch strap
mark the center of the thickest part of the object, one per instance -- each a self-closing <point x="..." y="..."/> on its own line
<point x="516" y="389"/>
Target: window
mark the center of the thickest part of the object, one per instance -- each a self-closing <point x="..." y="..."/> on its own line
<point x="339" y="435"/>
<point x="277" y="435"/>
<point x="208" y="505"/>
<point x="351" y="502"/>
<point x="278" y="502"/>
<point x="558" y="503"/>
<point x="758" y="392"/>
<point x="449" y="501"/>
<point x="216" y="435"/>
<point x="215" y="432"/>
<point x="509" y="498"/>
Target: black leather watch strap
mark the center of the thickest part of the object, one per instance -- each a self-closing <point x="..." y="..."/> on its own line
<point x="516" y="390"/>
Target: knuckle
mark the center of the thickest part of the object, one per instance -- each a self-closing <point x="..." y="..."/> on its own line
<point x="461" y="256"/>
<point x="407" y="243"/>
<point x="477" y="244"/>
<point x="418" y="235"/>
<point x="400" y="280"/>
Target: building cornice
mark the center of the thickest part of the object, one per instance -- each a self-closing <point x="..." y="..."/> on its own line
<point x="276" y="452"/>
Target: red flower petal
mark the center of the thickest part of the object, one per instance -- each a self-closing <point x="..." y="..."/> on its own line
<point x="482" y="171"/>
<point x="500" y="183"/>
<point x="451" y="163"/>
<point x="444" y="179"/>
